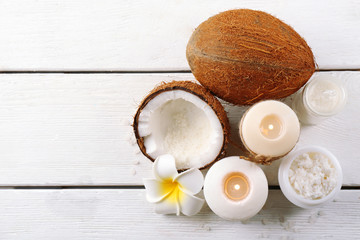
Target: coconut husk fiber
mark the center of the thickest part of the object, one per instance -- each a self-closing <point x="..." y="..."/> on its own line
<point x="244" y="56"/>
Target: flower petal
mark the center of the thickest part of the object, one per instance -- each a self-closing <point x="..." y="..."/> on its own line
<point x="191" y="181"/>
<point x="155" y="190"/>
<point x="190" y="205"/>
<point x="167" y="207"/>
<point x="164" y="167"/>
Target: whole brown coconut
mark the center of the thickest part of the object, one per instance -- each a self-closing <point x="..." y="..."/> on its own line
<point x="181" y="88"/>
<point x="244" y="56"/>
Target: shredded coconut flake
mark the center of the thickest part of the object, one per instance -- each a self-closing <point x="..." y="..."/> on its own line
<point x="183" y="125"/>
<point x="187" y="135"/>
<point x="312" y="175"/>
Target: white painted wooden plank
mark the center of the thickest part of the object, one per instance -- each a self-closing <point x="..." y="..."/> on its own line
<point x="75" y="129"/>
<point x="151" y="35"/>
<point x="125" y="214"/>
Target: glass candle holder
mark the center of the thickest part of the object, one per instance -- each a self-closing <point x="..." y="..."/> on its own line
<point x="321" y="98"/>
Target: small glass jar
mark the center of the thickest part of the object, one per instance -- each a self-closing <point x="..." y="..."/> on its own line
<point x="323" y="96"/>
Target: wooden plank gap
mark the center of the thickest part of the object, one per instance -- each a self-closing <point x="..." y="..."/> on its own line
<point x="140" y="72"/>
<point x="71" y="187"/>
<point x="95" y="72"/>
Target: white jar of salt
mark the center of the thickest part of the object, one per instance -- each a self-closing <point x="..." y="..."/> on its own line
<point x="323" y="96"/>
<point x="310" y="176"/>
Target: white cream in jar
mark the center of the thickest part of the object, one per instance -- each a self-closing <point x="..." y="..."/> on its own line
<point x="321" y="98"/>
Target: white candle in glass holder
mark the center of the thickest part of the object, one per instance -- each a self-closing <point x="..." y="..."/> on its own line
<point x="269" y="130"/>
<point x="322" y="97"/>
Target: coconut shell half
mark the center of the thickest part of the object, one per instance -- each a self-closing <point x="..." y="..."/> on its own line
<point x="152" y="124"/>
<point x="244" y="56"/>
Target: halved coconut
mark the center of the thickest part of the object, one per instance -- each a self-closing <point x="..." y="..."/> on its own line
<point x="182" y="119"/>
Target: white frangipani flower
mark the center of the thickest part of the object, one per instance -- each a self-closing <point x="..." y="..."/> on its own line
<point x="172" y="192"/>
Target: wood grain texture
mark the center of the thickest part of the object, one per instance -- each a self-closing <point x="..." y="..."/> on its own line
<point x="92" y="35"/>
<point x="75" y="129"/>
<point x="125" y="214"/>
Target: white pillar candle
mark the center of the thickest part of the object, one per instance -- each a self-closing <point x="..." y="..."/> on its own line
<point x="269" y="130"/>
<point x="322" y="97"/>
<point x="235" y="189"/>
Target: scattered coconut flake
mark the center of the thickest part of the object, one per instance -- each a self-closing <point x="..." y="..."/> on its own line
<point x="264" y="235"/>
<point x="288" y="225"/>
<point x="126" y="122"/>
<point x="205" y="227"/>
<point x="321" y="213"/>
<point x="137" y="151"/>
<point x="131" y="138"/>
<point x="136" y="162"/>
<point x="133" y="171"/>
<point x="265" y="221"/>
<point x="245" y="221"/>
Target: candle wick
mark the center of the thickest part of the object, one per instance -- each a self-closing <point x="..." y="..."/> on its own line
<point x="237" y="187"/>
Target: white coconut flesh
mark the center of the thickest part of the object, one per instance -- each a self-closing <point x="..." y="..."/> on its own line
<point x="181" y="124"/>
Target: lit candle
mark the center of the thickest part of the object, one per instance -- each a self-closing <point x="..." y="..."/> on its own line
<point x="235" y="189"/>
<point x="236" y="186"/>
<point x="322" y="97"/>
<point x="269" y="130"/>
<point x="271" y="127"/>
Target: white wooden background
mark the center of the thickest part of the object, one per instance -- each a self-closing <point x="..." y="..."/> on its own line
<point x="71" y="76"/>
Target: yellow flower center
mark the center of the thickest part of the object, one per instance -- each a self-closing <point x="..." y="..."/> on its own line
<point x="172" y="189"/>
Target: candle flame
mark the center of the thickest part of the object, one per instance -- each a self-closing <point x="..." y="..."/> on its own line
<point x="271" y="127"/>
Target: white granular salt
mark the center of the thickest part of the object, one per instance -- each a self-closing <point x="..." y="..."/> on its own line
<point x="312" y="175"/>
